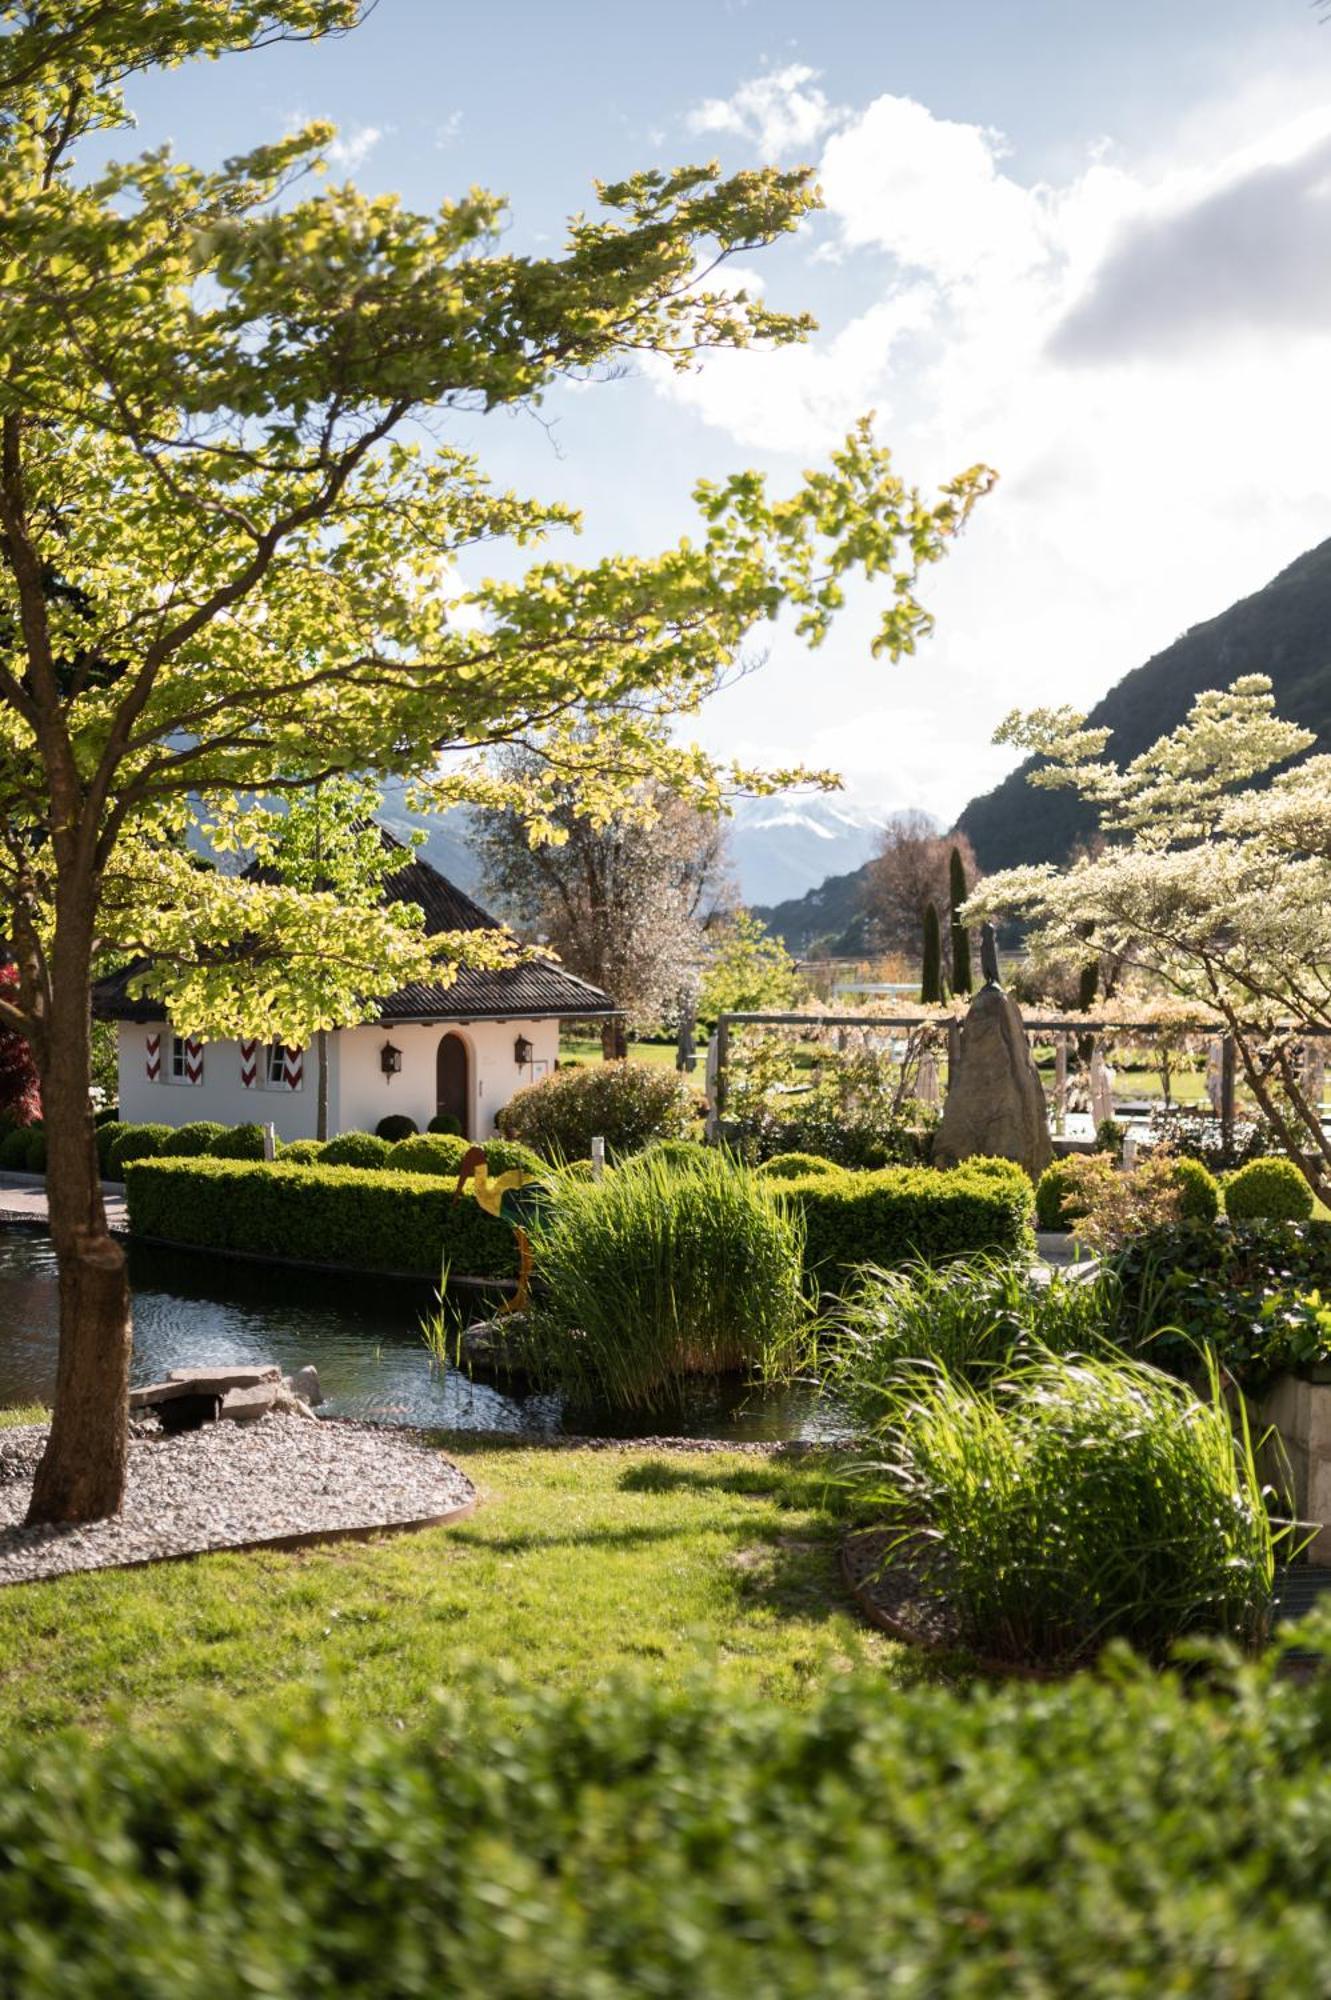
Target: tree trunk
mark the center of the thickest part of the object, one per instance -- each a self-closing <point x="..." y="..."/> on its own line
<point x="614" y="1041"/>
<point x="82" y="1473"/>
<point x="321" y="1104"/>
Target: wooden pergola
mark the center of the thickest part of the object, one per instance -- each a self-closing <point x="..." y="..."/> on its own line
<point x="1061" y="1027"/>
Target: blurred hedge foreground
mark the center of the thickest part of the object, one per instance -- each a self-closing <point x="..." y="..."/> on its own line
<point x="1115" y="1835"/>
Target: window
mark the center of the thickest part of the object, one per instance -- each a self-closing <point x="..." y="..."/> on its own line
<point x="178" y="1073"/>
<point x="284" y="1068"/>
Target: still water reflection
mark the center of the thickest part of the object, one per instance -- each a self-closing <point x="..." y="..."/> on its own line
<point x="361" y="1334"/>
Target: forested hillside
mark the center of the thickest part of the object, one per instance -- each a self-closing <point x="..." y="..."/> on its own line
<point x="1283" y="630"/>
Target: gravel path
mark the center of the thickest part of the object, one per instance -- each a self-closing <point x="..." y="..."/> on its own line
<point x="231" y="1486"/>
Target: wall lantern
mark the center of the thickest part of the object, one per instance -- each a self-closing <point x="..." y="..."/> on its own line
<point x="390" y="1059"/>
<point x="522" y="1052"/>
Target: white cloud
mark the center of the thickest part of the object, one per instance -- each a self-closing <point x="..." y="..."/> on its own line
<point x="782" y="111"/>
<point x="449" y="131"/>
<point x="1142" y="351"/>
<point x="351" y="149"/>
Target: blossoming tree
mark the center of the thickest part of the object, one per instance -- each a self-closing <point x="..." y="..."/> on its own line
<point x="1215" y="876"/>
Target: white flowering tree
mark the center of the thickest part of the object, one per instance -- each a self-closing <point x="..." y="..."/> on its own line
<point x="1215" y="877"/>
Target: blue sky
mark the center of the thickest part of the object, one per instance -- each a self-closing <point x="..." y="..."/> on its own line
<point x="1090" y="245"/>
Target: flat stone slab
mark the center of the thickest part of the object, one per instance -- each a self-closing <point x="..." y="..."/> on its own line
<point x="283" y="1481"/>
<point x="216" y="1381"/>
<point x="246" y="1406"/>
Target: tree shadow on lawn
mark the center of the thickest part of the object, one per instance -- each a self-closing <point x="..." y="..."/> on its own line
<point x="794" y="1573"/>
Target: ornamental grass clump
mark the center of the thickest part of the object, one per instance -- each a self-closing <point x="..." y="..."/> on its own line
<point x="657" y="1274"/>
<point x="969" y="1318"/>
<point x="1082" y="1501"/>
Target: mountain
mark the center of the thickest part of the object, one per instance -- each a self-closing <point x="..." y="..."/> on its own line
<point x="446" y="846"/>
<point x="829" y="919"/>
<point x="1283" y="630"/>
<point x="785" y="846"/>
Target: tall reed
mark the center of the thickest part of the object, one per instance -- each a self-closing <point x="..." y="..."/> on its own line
<point x="658" y="1273"/>
<point x="970" y="1317"/>
<point x="1082" y="1500"/>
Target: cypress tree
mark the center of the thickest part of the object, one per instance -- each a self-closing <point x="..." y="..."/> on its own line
<point x="931" y="979"/>
<point x="961" y="941"/>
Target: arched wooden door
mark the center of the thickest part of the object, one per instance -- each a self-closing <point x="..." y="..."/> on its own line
<point x="453" y="1082"/>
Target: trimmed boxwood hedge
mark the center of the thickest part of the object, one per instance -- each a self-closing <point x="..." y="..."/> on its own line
<point x="238" y="1142"/>
<point x="397" y="1125"/>
<point x="795" y="1166"/>
<point x="135" y="1142"/>
<point x="1099" y="1837"/>
<point x="356" y="1149"/>
<point x="427" y="1153"/>
<point x="323" y="1215"/>
<point x="188" y="1141"/>
<point x="890" y="1215"/>
<point x="1268" y="1190"/>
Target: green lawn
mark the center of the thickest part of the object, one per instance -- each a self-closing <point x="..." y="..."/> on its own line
<point x="578" y="1565"/>
<point x="575" y="1049"/>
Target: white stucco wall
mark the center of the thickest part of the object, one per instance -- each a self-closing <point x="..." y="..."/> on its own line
<point x="221" y="1095"/>
<point x="359" y="1094"/>
<point x="365" y="1094"/>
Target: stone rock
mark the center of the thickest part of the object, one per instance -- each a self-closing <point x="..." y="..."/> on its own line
<point x="287" y="1404"/>
<point x="304" y="1382"/>
<point x="222" y="1379"/>
<point x="246" y="1406"/>
<point x="995" y="1101"/>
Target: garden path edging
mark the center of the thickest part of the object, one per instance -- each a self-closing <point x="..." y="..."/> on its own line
<point x="282" y="1483"/>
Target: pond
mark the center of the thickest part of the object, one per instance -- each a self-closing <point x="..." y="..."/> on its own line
<point x="362" y="1335"/>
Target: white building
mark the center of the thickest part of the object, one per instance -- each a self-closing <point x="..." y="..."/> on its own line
<point x="462" y="1049"/>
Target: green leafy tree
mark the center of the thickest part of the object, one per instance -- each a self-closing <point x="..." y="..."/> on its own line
<point x="230" y="540"/>
<point x="747" y="970"/>
<point x="961" y="941"/>
<point x="327" y="840"/>
<point x="931" y="971"/>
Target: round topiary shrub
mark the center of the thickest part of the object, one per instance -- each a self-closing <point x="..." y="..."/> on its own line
<point x="445" y="1122"/>
<point x="627" y="1104"/>
<point x="302" y="1153"/>
<point x="795" y="1166"/>
<point x="503" y="1155"/>
<point x="136" y="1142"/>
<point x="108" y="1115"/>
<point x="428" y="1153"/>
<point x="1199" y="1191"/>
<point x="189" y="1140"/>
<point x="355" y="1149"/>
<point x="1055" y="1205"/>
<point x="1269" y="1190"/>
<point x="238" y="1142"/>
<point x="679" y="1152"/>
<point x="396" y="1126"/>
<point x="14" y="1150"/>
<point x="106" y="1136"/>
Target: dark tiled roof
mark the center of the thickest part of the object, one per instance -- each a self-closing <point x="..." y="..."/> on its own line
<point x="534" y="988"/>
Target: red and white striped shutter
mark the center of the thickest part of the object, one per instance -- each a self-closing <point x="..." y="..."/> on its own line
<point x="249" y="1063"/>
<point x="152" y="1058"/>
<point x="293" y="1068"/>
<point x="193" y="1060"/>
